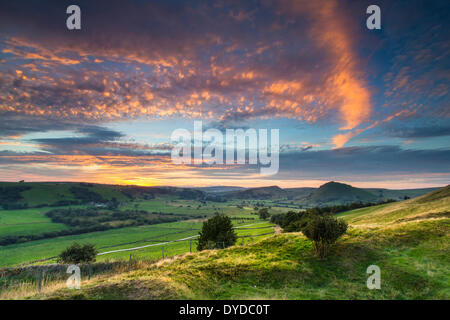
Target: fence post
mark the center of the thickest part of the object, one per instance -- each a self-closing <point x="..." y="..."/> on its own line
<point x="129" y="261"/>
<point x="190" y="245"/>
<point x="163" y="252"/>
<point x="40" y="280"/>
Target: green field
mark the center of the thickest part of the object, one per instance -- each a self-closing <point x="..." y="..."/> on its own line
<point x="47" y="193"/>
<point x="34" y="221"/>
<point x="409" y="241"/>
<point x="41" y="249"/>
<point x="27" y="221"/>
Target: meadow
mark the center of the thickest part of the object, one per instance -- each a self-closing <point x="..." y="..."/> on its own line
<point x="27" y="221"/>
<point x="408" y="240"/>
<point x="31" y="221"/>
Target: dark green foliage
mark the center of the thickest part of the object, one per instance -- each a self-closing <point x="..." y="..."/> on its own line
<point x="136" y="192"/>
<point x="85" y="195"/>
<point x="285" y="219"/>
<point x="264" y="213"/>
<point x="345" y="207"/>
<point x="215" y="198"/>
<point x="85" y="220"/>
<point x="290" y="217"/>
<point x="113" y="204"/>
<point x="77" y="253"/>
<point x="89" y="217"/>
<point x="10" y="197"/>
<point x="217" y="232"/>
<point x="277" y="218"/>
<point x="296" y="225"/>
<point x="323" y="230"/>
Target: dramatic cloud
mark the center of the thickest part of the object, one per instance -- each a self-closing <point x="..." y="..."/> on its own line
<point x="232" y="64"/>
<point x="235" y="61"/>
<point x="402" y="167"/>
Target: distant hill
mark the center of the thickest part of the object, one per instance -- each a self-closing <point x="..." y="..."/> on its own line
<point x="399" y="194"/>
<point x="16" y="195"/>
<point x="298" y="193"/>
<point x="262" y="193"/>
<point x="331" y="193"/>
<point x="219" y="189"/>
<point x="338" y="193"/>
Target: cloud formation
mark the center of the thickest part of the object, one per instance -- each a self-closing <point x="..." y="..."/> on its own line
<point x="234" y="61"/>
<point x="230" y="63"/>
<point x="361" y="165"/>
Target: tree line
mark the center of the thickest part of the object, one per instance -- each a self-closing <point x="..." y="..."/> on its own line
<point x="85" y="220"/>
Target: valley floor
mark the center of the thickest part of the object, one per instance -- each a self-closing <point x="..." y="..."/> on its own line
<point x="413" y="258"/>
<point x="408" y="241"/>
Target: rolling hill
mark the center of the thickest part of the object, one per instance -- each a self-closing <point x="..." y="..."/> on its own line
<point x="330" y="193"/>
<point x="433" y="205"/>
<point x="219" y="189"/>
<point x="20" y="195"/>
<point x="272" y="192"/>
<point x="337" y="193"/>
<point x="408" y="240"/>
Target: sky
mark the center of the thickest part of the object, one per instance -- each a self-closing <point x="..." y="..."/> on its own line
<point x="365" y="107"/>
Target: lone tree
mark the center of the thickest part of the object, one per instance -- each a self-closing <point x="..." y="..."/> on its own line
<point x="264" y="213"/>
<point x="77" y="253"/>
<point x="217" y="232"/>
<point x="324" y="230"/>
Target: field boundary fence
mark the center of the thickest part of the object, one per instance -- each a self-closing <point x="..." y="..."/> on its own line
<point x="41" y="275"/>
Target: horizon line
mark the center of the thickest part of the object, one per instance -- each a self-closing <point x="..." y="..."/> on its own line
<point x="216" y="186"/>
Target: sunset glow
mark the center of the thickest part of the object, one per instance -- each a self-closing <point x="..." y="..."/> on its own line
<point x="366" y="107"/>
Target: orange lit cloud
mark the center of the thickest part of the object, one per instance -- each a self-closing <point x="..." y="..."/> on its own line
<point x="248" y="79"/>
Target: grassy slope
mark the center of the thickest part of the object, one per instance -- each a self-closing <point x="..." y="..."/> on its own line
<point x="34" y="221"/>
<point x="35" y="250"/>
<point x="409" y="241"/>
<point x="435" y="203"/>
<point x="40" y="249"/>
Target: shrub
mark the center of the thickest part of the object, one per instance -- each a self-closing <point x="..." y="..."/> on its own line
<point x="296" y="225"/>
<point x="217" y="232"/>
<point x="284" y="220"/>
<point x="264" y="213"/>
<point x="324" y="230"/>
<point x="77" y="253"/>
<point x="290" y="217"/>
